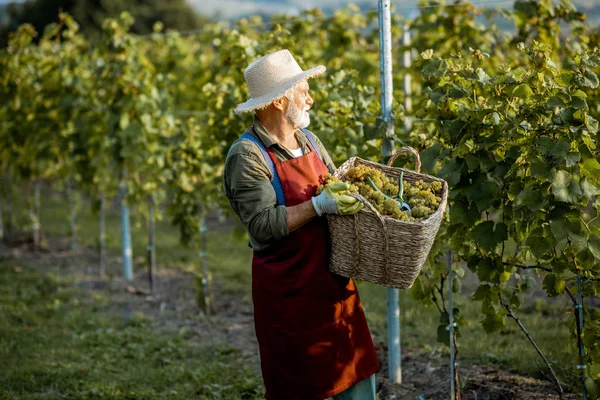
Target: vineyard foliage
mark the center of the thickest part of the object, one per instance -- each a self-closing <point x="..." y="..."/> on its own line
<point x="510" y="120"/>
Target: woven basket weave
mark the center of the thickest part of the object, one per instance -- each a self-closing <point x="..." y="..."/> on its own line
<point x="370" y="247"/>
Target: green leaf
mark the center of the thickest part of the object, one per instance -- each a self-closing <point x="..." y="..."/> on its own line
<point x="457" y="93"/>
<point x="579" y="104"/>
<point x="375" y="131"/>
<point x="482" y="293"/>
<point x="522" y="91"/>
<point x="493" y="322"/>
<point x="559" y="229"/>
<point x="587" y="79"/>
<point x="461" y="212"/>
<point x="591" y="123"/>
<point x="450" y="172"/>
<point x="487" y="237"/>
<point x="482" y="76"/>
<point x="538" y="244"/>
<point x="532" y="198"/>
<point x="565" y="188"/>
<point x="443" y="334"/>
<point x="560" y="150"/>
<point x="589" y="190"/>
<point x="429" y="157"/>
<point x="572" y="158"/>
<point x="594" y="245"/>
<point x="553" y="285"/>
<point x="515" y="301"/>
<point x="124" y="121"/>
<point x="554" y="102"/>
<point x="591" y="168"/>
<point x="564" y="79"/>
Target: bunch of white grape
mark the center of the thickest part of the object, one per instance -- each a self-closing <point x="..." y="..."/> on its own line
<point x="424" y="198"/>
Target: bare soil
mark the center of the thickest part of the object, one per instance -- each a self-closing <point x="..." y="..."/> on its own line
<point x="175" y="309"/>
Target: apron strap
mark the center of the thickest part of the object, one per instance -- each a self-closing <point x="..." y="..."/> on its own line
<point x="313" y="142"/>
<point x="270" y="165"/>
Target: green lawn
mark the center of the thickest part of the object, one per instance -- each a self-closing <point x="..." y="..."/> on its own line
<point x="53" y="345"/>
<point x="70" y="349"/>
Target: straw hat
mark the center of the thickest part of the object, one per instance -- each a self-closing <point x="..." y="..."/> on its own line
<point x="269" y="77"/>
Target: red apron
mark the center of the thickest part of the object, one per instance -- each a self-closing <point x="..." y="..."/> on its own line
<point x="313" y="336"/>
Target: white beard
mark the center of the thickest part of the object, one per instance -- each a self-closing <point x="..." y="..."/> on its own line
<point x="298" y="118"/>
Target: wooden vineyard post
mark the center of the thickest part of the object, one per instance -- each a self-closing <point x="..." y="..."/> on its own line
<point x="393" y="295"/>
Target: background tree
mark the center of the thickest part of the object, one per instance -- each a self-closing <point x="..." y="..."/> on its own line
<point x="174" y="14"/>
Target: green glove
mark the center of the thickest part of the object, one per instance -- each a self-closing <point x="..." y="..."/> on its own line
<point x="330" y="201"/>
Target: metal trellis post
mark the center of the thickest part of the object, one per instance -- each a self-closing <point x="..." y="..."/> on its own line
<point x="151" y="247"/>
<point x="451" y="326"/>
<point x="407" y="81"/>
<point x="393" y="304"/>
<point x="102" y="235"/>
<point x="579" y="315"/>
<point x="125" y="230"/>
<point x="203" y="253"/>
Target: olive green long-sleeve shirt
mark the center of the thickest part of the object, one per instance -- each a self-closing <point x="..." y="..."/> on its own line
<point x="247" y="182"/>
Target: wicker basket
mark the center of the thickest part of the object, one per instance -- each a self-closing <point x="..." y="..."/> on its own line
<point x="379" y="249"/>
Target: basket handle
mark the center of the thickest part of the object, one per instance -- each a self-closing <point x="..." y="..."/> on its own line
<point x="406" y="149"/>
<point x="386" y="244"/>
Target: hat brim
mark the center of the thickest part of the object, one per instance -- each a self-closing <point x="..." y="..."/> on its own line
<point x="265" y="100"/>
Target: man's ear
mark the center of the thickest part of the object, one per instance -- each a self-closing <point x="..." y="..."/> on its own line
<point x="280" y="103"/>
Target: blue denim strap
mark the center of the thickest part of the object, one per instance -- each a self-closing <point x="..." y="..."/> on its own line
<point x="274" y="177"/>
<point x="313" y="142"/>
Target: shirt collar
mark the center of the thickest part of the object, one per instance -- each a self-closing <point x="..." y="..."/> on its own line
<point x="268" y="140"/>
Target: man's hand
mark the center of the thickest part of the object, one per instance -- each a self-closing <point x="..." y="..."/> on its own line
<point x="330" y="201"/>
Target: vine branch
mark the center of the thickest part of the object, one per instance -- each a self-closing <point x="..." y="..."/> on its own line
<point x="556" y="383"/>
<point x="547" y="269"/>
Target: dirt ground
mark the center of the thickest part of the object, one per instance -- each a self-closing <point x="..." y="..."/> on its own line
<point x="176" y="309"/>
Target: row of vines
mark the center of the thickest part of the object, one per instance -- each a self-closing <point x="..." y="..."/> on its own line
<point x="508" y="118"/>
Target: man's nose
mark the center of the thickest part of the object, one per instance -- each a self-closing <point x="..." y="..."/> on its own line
<point x="309" y="100"/>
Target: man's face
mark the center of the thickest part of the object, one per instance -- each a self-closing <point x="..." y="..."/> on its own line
<point x="298" y="106"/>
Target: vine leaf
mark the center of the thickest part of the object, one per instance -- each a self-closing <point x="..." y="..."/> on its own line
<point x="538" y="244"/>
<point x="522" y="91"/>
<point x="531" y="198"/>
<point x="487" y="237"/>
<point x="565" y="188"/>
<point x="493" y="322"/>
<point x="553" y="285"/>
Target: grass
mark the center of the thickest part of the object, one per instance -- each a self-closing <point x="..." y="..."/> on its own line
<point x="54" y="345"/>
<point x="229" y="259"/>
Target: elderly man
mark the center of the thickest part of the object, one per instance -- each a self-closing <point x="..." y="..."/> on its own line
<point x="312" y="333"/>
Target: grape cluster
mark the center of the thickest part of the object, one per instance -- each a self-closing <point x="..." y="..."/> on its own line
<point x="423" y="197"/>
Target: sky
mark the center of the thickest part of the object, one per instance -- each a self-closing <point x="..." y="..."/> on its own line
<point x="233" y="9"/>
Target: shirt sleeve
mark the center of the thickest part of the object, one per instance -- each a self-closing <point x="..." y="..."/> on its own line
<point x="250" y="192"/>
